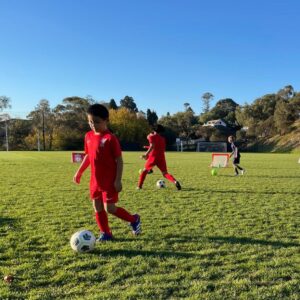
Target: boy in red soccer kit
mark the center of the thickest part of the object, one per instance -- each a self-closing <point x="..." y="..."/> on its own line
<point x="155" y="156"/>
<point x="103" y="154"/>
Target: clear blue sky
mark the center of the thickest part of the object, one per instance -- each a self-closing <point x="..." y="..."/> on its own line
<point x="163" y="53"/>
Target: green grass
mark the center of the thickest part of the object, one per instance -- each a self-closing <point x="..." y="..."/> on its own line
<point x="221" y="237"/>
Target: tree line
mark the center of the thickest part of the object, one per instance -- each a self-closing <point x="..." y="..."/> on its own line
<point x="63" y="127"/>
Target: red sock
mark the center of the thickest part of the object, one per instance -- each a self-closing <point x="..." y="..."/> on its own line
<point x="123" y="214"/>
<point x="102" y="221"/>
<point x="142" y="178"/>
<point x="170" y="177"/>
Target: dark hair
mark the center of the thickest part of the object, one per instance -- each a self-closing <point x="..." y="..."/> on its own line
<point x="158" y="128"/>
<point x="231" y="136"/>
<point x="98" y="110"/>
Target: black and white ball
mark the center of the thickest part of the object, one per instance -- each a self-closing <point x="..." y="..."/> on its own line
<point x="83" y="241"/>
<point x="160" y="184"/>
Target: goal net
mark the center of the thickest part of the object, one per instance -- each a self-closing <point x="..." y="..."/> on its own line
<point x="211" y="146"/>
<point x="220" y="160"/>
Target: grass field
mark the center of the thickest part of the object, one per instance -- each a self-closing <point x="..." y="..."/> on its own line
<point x="221" y="237"/>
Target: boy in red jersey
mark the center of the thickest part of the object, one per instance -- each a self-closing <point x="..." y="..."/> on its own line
<point x="103" y="154"/>
<point x="155" y="156"/>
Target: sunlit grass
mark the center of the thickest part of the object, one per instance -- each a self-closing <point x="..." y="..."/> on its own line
<point x="221" y="237"/>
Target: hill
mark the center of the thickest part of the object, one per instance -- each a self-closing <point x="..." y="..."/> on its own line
<point x="286" y="143"/>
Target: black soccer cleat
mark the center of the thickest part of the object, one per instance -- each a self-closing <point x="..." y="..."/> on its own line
<point x="178" y="186"/>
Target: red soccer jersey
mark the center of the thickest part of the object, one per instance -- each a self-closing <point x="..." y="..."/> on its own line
<point x="159" y="142"/>
<point x="102" y="149"/>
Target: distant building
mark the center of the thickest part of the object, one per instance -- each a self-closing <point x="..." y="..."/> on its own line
<point x="214" y="123"/>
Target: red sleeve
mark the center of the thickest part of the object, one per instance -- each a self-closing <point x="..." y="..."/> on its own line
<point x="86" y="151"/>
<point x="150" y="138"/>
<point x="115" y="147"/>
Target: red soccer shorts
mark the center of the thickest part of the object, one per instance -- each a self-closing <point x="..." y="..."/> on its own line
<point x="105" y="197"/>
<point x="160" y="163"/>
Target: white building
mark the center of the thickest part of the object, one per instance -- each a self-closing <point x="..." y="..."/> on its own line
<point x="214" y="123"/>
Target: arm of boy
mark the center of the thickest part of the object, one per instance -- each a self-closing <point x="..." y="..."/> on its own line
<point x="151" y="147"/>
<point x="85" y="163"/>
<point x="232" y="151"/>
<point x="118" y="180"/>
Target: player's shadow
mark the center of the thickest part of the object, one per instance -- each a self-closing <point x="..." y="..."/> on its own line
<point x="7" y="224"/>
<point x="7" y="221"/>
<point x="274" y="176"/>
<point x="250" y="241"/>
<point x="191" y="189"/>
<point x="236" y="191"/>
<point x="144" y="253"/>
<point x="258" y="176"/>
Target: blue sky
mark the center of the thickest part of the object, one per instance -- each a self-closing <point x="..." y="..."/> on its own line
<point x="162" y="53"/>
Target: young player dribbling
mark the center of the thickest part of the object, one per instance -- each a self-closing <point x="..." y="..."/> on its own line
<point x="103" y="154"/>
<point x="155" y="156"/>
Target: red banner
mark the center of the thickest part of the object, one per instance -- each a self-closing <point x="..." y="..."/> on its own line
<point x="77" y="157"/>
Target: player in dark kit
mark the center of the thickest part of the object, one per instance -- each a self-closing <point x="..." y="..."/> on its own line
<point x="236" y="156"/>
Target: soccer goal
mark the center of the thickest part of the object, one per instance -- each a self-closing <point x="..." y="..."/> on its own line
<point x="220" y="160"/>
<point x="211" y="146"/>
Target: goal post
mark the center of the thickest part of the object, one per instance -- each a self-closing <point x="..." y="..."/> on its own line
<point x="220" y="160"/>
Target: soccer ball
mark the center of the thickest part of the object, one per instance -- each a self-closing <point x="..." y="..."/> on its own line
<point x="160" y="184"/>
<point x="83" y="241"/>
<point x="214" y="172"/>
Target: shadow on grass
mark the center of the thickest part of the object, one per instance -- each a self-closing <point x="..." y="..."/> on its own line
<point x="6" y="225"/>
<point x="188" y="189"/>
<point x="250" y="241"/>
<point x="230" y="191"/>
<point x="257" y="176"/>
<point x="144" y="253"/>
<point x="7" y="221"/>
<point x="273" y="176"/>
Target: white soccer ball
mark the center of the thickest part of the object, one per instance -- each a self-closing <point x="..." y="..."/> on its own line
<point x="83" y="241"/>
<point x="160" y="184"/>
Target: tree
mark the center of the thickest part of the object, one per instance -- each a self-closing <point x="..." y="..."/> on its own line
<point x="19" y="130"/>
<point x="182" y="123"/>
<point x="258" y="116"/>
<point x="112" y="104"/>
<point x="151" y="117"/>
<point x="283" y="117"/>
<point x="186" y="106"/>
<point x="286" y="93"/>
<point x="141" y="115"/>
<point x="128" y="102"/>
<point x="71" y="123"/>
<point x="224" y="109"/>
<point x="295" y="104"/>
<point x="128" y="126"/>
<point x="206" y="98"/>
<point x="4" y="102"/>
<point x="41" y="119"/>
